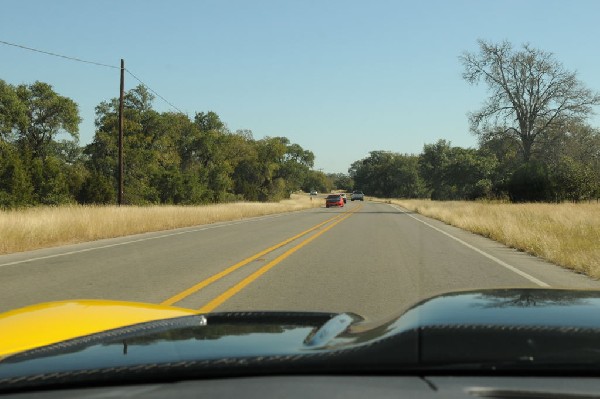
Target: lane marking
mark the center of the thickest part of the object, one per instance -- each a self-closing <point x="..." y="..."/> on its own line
<point x="479" y="251"/>
<point x="210" y="227"/>
<point x="219" y="300"/>
<point x="202" y="284"/>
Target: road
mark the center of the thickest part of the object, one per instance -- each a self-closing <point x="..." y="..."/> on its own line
<point x="369" y="258"/>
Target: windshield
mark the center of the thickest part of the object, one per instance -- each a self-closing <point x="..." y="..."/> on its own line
<point x="185" y="153"/>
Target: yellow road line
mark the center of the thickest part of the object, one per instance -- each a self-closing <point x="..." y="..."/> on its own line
<point x="209" y="307"/>
<point x="231" y="269"/>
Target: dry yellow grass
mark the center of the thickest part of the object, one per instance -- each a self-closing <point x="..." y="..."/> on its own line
<point x="565" y="234"/>
<point x="41" y="227"/>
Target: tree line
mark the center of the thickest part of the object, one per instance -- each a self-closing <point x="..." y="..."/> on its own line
<point x="566" y="168"/>
<point x="534" y="143"/>
<point x="169" y="157"/>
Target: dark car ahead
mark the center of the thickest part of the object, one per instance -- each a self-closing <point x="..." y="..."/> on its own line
<point x="357" y="195"/>
<point x="334" y="200"/>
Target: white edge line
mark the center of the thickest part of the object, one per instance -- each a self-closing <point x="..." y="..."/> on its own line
<point x="209" y="227"/>
<point x="479" y="251"/>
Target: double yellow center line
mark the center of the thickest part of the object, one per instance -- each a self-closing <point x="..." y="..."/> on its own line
<point x="210" y="306"/>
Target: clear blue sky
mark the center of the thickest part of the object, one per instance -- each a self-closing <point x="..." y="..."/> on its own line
<point x="340" y="78"/>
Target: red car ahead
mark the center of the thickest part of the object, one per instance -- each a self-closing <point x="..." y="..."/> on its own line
<point x="334" y="200"/>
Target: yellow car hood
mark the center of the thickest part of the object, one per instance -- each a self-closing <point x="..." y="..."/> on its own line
<point x="48" y="323"/>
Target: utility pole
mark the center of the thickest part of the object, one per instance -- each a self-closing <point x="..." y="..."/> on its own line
<point x="121" y="95"/>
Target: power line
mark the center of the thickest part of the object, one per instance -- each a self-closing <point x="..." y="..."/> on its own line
<point x="149" y="88"/>
<point x="59" y="55"/>
<point x="93" y="63"/>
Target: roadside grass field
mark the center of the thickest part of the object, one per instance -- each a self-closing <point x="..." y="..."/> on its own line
<point x="42" y="227"/>
<point x="566" y="234"/>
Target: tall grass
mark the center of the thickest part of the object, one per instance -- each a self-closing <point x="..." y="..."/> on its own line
<point x="40" y="227"/>
<point x="565" y="234"/>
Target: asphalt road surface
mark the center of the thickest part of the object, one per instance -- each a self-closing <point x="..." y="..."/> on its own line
<point x="369" y="258"/>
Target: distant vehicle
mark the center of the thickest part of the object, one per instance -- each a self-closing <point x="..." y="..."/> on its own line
<point x="334" y="200"/>
<point x="357" y="196"/>
<point x="344" y="197"/>
<point x="313" y="192"/>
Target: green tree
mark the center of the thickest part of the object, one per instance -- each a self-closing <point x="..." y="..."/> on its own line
<point x="433" y="162"/>
<point x="97" y="188"/>
<point x="572" y="180"/>
<point x="317" y="180"/>
<point x="153" y="145"/>
<point x="171" y="159"/>
<point x="341" y="181"/>
<point x="530" y="183"/>
<point x="15" y="185"/>
<point x="271" y="153"/>
<point x="12" y="112"/>
<point x="506" y="150"/>
<point x="469" y="174"/>
<point x="207" y="153"/>
<point x="572" y="156"/>
<point x="210" y="121"/>
<point x="295" y="166"/>
<point x="46" y="115"/>
<point x="50" y="181"/>
<point x="407" y="181"/>
<point x="33" y="116"/>
<point x="453" y="173"/>
<point x="387" y="174"/>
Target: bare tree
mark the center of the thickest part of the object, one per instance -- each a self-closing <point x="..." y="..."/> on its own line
<point x="530" y="93"/>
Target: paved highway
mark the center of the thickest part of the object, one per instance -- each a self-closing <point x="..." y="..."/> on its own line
<point x="370" y="258"/>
